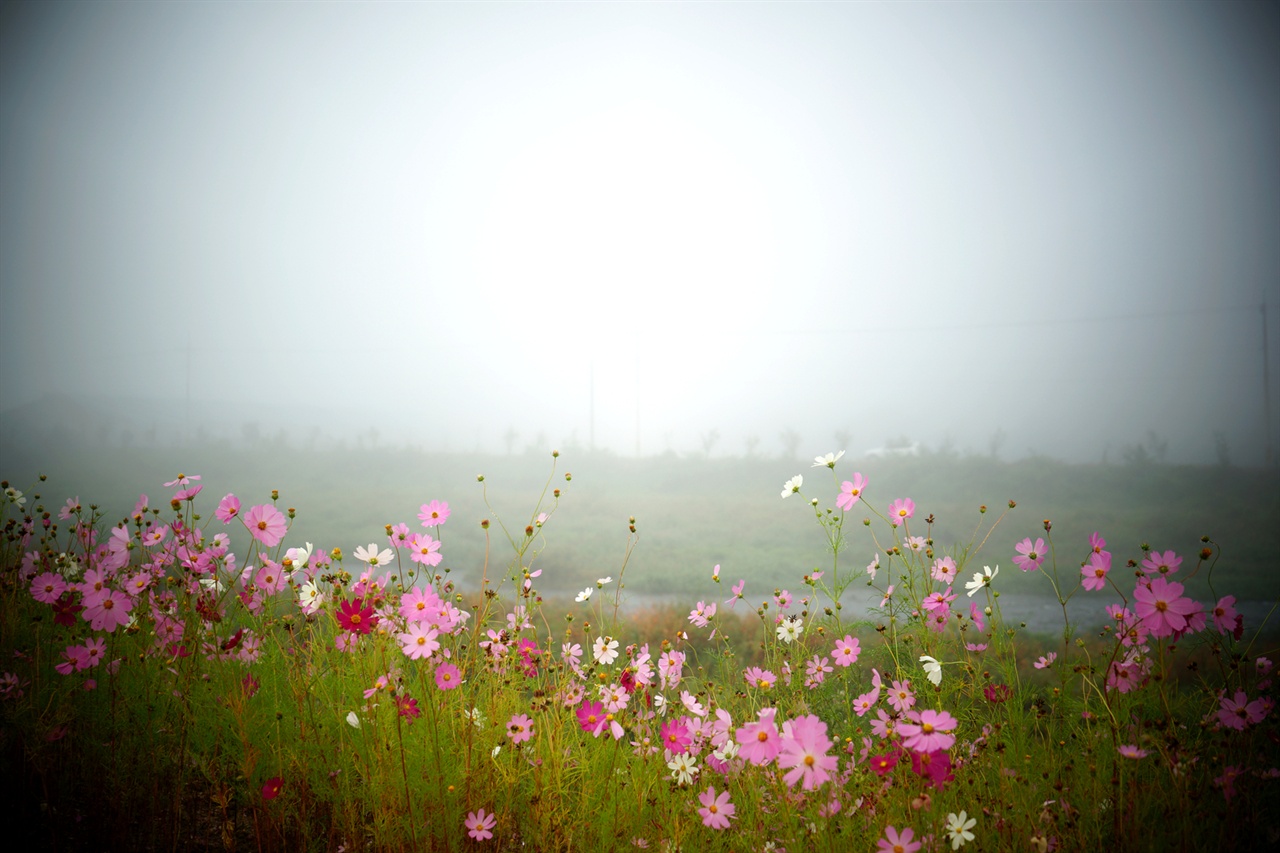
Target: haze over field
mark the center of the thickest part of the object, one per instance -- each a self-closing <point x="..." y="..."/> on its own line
<point x="1027" y="228"/>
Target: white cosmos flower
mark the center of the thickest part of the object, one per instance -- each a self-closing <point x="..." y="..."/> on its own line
<point x="958" y="829"/>
<point x="585" y="594"/>
<point x="829" y="460"/>
<point x="683" y="768"/>
<point x="790" y="629"/>
<point x="606" y="650"/>
<point x="373" y="556"/>
<point x="353" y="720"/>
<point x="602" y="581"/>
<point x="299" y="556"/>
<point x="932" y="668"/>
<point x="981" y="579"/>
<point x="792" y="486"/>
<point x="310" y="597"/>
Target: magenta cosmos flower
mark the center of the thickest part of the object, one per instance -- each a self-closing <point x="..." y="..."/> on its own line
<point x="272" y="789"/>
<point x="716" y="811"/>
<point x="675" y="737"/>
<point x="850" y="492"/>
<point x="479" y="825"/>
<point x="900" y="510"/>
<point x="356" y="616"/>
<point x="266" y="524"/>
<point x="1030" y="555"/>
<point x="1161" y="607"/>
<point x="1158" y="563"/>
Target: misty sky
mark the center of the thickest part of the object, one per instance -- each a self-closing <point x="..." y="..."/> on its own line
<point x="931" y="220"/>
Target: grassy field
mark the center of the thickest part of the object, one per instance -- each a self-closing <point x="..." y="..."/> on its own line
<point x="694" y="513"/>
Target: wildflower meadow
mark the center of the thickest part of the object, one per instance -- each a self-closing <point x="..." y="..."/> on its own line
<point x="191" y="677"/>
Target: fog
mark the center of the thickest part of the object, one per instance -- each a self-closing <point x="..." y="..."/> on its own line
<point x="1039" y="228"/>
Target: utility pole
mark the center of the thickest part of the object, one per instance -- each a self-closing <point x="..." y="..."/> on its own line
<point x="1266" y="389"/>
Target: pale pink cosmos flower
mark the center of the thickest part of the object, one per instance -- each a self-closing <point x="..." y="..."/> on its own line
<point x="182" y="480"/>
<point x="418" y="604"/>
<point x="1030" y="555"/>
<point x="893" y="842"/>
<point x="266" y="524"/>
<point x="700" y="614"/>
<point x="1161" y="606"/>
<point x="716" y="811"/>
<point x="424" y="549"/>
<point x="850" y="492"/>
<point x="228" y="508"/>
<point x="1129" y="750"/>
<point x="760" y="740"/>
<point x="900" y="510"/>
<point x="901" y="697"/>
<point x="434" y="513"/>
<point x="479" y="825"/>
<point x="804" y="751"/>
<point x="737" y="593"/>
<point x="419" y="641"/>
<point x="761" y="678"/>
<point x="847" y="650"/>
<point x="873" y="567"/>
<point x="816" y="670"/>
<point x="1046" y="661"/>
<point x="944" y="570"/>
<point x="447" y="676"/>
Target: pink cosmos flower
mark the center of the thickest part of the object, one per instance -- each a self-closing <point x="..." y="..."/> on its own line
<point x="893" y="842"/>
<point x="759" y="741"/>
<point x="804" y="750"/>
<point x="939" y="601"/>
<point x="1238" y="712"/>
<point x="716" y="811"/>
<point x="419" y="641"/>
<point x="519" y="728"/>
<point x="1158" y="563"/>
<point x="927" y="731"/>
<point x="901" y="697"/>
<point x="944" y="570"/>
<point x="1046" y="661"/>
<point x="847" y="650"/>
<point x="900" y="510"/>
<point x="1129" y="750"/>
<point x="1225" y="618"/>
<point x="737" y="593"/>
<point x="1095" y="571"/>
<point x="49" y="586"/>
<point x="266" y="524"/>
<point x="850" y="492"/>
<point x="424" y="549"/>
<point x="1030" y="556"/>
<point x="816" y="670"/>
<point x="883" y="764"/>
<point x="448" y="677"/>
<point x="479" y="825"/>
<point x="109" y="611"/>
<point x="434" y="513"/>
<point x="1097" y="543"/>
<point x="761" y="678"/>
<point x="1161" y="606"/>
